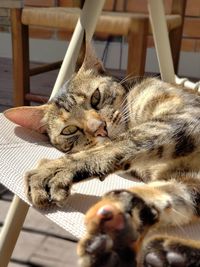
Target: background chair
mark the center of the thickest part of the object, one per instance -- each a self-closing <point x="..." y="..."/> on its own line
<point x="134" y="26"/>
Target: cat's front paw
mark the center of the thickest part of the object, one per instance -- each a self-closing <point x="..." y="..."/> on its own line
<point x="115" y="227"/>
<point x="48" y="184"/>
<point x="110" y="236"/>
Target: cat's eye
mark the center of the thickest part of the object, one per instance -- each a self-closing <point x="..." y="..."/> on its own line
<point x="95" y="98"/>
<point x="71" y="129"/>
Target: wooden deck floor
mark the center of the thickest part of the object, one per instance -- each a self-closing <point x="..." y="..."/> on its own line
<point x="41" y="243"/>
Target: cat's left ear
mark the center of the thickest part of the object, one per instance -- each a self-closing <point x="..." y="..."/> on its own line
<point x="87" y="58"/>
<point x="28" y="117"/>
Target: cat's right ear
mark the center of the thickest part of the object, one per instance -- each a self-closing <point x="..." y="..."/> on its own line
<point x="87" y="59"/>
<point x="28" y="117"/>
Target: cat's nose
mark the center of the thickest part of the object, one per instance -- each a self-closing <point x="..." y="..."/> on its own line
<point x="97" y="128"/>
<point x="111" y="217"/>
<point x="102" y="130"/>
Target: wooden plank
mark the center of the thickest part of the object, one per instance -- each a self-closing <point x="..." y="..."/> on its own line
<point x="192" y="27"/>
<point x="36" y="223"/>
<point x="26" y="245"/>
<point x="193" y="8"/>
<point x="55" y="252"/>
<point x="45" y="3"/>
<point x="188" y="45"/>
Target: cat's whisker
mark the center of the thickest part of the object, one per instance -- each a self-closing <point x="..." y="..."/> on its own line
<point x="125" y="78"/>
<point x="124" y="120"/>
<point x="130" y="103"/>
<point x="179" y="213"/>
<point x="114" y="129"/>
<point x="124" y="116"/>
<point x="132" y="80"/>
<point x="125" y="112"/>
<point x="122" y="105"/>
<point x="127" y="106"/>
<point x="131" y="77"/>
<point x="180" y="227"/>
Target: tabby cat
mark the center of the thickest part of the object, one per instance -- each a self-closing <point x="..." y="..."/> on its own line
<point x="104" y="127"/>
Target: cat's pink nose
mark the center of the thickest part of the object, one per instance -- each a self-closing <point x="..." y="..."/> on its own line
<point x="102" y="130"/>
<point x="111" y="217"/>
<point x="97" y="128"/>
<point x="106" y="212"/>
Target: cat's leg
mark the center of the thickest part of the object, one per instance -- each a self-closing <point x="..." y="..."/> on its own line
<point x="123" y="217"/>
<point x="154" y="141"/>
<point x="160" y="251"/>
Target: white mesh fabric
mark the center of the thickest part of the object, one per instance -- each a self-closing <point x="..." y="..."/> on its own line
<point x="20" y="149"/>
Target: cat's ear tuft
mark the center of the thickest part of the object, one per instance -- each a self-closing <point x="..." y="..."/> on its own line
<point x="87" y="58"/>
<point x="28" y="117"/>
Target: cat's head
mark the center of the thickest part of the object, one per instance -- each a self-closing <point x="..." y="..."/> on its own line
<point x="88" y="109"/>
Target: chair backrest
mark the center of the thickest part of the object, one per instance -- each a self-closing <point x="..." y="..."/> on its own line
<point x="140" y="6"/>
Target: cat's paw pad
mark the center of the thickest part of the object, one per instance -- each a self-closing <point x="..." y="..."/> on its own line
<point x="103" y="251"/>
<point x="96" y="251"/>
<point x="171" y="259"/>
<point x="47" y="186"/>
<point x="159" y="253"/>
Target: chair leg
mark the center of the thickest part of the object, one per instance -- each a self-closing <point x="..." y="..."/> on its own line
<point x="175" y="37"/>
<point x="11" y="229"/>
<point x="137" y="48"/>
<point x="20" y="45"/>
<point x="161" y="40"/>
